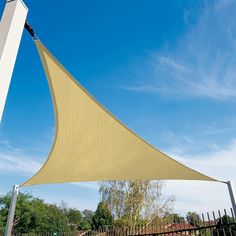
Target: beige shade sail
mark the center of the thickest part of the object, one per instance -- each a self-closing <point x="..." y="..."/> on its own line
<point x="91" y="144"/>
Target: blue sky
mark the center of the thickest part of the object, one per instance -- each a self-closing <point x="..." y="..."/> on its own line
<point x="165" y="68"/>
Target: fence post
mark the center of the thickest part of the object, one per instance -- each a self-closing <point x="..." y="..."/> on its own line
<point x="232" y="196"/>
<point x="11" y="210"/>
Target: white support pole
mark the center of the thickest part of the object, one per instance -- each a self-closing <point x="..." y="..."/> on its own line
<point x="232" y="196"/>
<point x="11" y="212"/>
<point x="11" y="28"/>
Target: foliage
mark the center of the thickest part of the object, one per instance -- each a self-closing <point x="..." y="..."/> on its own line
<point x="132" y="202"/>
<point x="174" y="218"/>
<point x="87" y="221"/>
<point x="194" y="219"/>
<point x="225" y="227"/>
<point x="33" y="215"/>
<point x="85" y="225"/>
<point x="1" y="225"/>
<point x="102" y="216"/>
<point x="74" y="216"/>
<point x="88" y="215"/>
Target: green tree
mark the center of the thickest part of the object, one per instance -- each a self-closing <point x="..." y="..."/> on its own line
<point x="74" y="216"/>
<point x="174" y="218"/>
<point x="102" y="216"/>
<point x="22" y="213"/>
<point x="88" y="215"/>
<point x="134" y="202"/>
<point x="1" y="225"/>
<point x="85" y="225"/>
<point x="87" y="219"/>
<point x="33" y="215"/>
<point x="225" y="226"/>
<point x="194" y="219"/>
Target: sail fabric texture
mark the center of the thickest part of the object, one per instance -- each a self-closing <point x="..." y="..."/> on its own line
<point x="90" y="144"/>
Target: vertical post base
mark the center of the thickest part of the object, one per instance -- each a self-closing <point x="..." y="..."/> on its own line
<point x="11" y="212"/>
<point x="232" y="196"/>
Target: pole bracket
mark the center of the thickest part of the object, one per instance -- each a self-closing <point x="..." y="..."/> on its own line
<point x="30" y="30"/>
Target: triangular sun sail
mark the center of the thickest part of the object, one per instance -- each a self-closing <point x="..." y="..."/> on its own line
<point x="90" y="144"/>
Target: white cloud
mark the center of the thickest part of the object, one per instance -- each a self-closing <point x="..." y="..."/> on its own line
<point x="14" y="163"/>
<point x="13" y="159"/>
<point x="203" y="61"/>
<point x="198" y="196"/>
<point x="16" y="160"/>
<point x="203" y="196"/>
<point x="220" y="164"/>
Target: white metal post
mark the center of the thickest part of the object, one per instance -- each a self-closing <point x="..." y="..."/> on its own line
<point x="11" y="211"/>
<point x="232" y="196"/>
<point x="11" y="28"/>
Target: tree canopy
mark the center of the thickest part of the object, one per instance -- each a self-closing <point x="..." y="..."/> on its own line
<point x="193" y="218"/>
<point x="123" y="203"/>
<point x="102" y="217"/>
<point x="133" y="202"/>
<point x="34" y="215"/>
